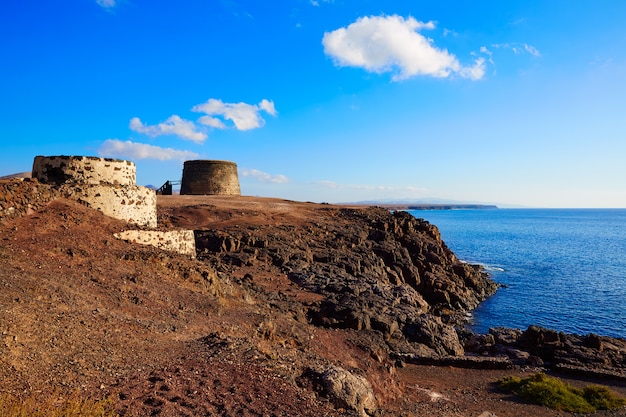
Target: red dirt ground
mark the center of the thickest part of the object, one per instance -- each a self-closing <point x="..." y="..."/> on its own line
<point x="162" y="334"/>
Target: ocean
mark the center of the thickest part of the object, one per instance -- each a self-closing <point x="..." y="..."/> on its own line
<point x="563" y="269"/>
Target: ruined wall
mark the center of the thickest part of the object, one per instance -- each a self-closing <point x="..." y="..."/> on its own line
<point x="133" y="204"/>
<point x="203" y="177"/>
<point x="59" y="170"/>
<point x="19" y="197"/>
<point x="104" y="184"/>
<point x="181" y="241"/>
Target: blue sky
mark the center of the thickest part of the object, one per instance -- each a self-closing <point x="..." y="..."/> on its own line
<point x="506" y="102"/>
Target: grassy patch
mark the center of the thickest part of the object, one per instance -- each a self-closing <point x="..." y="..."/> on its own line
<point x="556" y="394"/>
<point x="11" y="406"/>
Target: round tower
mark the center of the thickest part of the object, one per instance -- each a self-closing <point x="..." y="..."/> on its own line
<point x="57" y="170"/>
<point x="103" y="184"/>
<point x="202" y="177"/>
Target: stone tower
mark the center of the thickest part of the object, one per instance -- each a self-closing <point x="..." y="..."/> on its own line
<point x="202" y="177"/>
<point x="104" y="184"/>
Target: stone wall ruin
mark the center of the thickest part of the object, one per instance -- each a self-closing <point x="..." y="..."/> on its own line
<point x="23" y="196"/>
<point x="104" y="184"/>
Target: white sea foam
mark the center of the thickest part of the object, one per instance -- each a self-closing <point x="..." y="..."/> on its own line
<point x="486" y="267"/>
<point x="493" y="268"/>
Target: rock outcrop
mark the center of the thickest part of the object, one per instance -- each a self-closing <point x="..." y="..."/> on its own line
<point x="591" y="354"/>
<point x="376" y="272"/>
<point x="345" y="389"/>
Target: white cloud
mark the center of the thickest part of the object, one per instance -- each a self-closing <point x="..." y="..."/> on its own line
<point x="114" y="148"/>
<point x="212" y="122"/>
<point x="268" y="106"/>
<point x="106" y="4"/>
<point x="488" y="53"/>
<point x="393" y="44"/>
<point x="531" y="50"/>
<point x="244" y="116"/>
<point x="263" y="176"/>
<point x="476" y="71"/>
<point x="518" y="48"/>
<point x="174" y="125"/>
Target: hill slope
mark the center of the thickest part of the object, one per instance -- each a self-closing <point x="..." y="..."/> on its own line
<point x="284" y="295"/>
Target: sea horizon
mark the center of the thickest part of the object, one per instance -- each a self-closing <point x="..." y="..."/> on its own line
<point x="561" y="268"/>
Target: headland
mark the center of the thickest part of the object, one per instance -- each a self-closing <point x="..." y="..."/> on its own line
<point x="287" y="306"/>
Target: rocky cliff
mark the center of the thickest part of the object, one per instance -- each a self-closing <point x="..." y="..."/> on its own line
<point x="375" y="271"/>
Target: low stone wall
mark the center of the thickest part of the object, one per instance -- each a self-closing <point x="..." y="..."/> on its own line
<point x="107" y="185"/>
<point x="181" y="241"/>
<point x="133" y="204"/>
<point x="19" y="197"/>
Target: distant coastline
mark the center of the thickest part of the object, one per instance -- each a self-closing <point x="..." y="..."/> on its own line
<point x="451" y="207"/>
<point x="426" y="206"/>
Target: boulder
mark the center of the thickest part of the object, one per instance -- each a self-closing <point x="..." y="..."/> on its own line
<point x="430" y="331"/>
<point x="590" y="355"/>
<point x="345" y="389"/>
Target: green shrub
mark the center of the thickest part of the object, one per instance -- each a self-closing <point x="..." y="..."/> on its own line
<point x="602" y="398"/>
<point x="75" y="406"/>
<point x="556" y="394"/>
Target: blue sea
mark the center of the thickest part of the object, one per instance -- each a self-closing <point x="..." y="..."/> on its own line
<point x="564" y="269"/>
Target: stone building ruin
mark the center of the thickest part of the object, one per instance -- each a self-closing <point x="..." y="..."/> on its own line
<point x="109" y="185"/>
<point x="104" y="184"/>
<point x="205" y="177"/>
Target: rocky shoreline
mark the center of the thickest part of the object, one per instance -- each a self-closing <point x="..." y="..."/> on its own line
<point x="328" y="302"/>
<point x="375" y="271"/>
<point x="392" y="275"/>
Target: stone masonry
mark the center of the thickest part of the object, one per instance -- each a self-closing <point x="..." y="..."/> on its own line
<point x="104" y="184"/>
<point x="107" y="185"/>
<point x="204" y="177"/>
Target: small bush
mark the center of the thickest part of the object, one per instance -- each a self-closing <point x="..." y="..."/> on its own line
<point x="556" y="394"/>
<point x="11" y="406"/>
<point x="602" y="398"/>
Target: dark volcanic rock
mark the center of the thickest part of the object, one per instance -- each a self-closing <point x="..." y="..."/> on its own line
<point x="377" y="271"/>
<point x="538" y="346"/>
